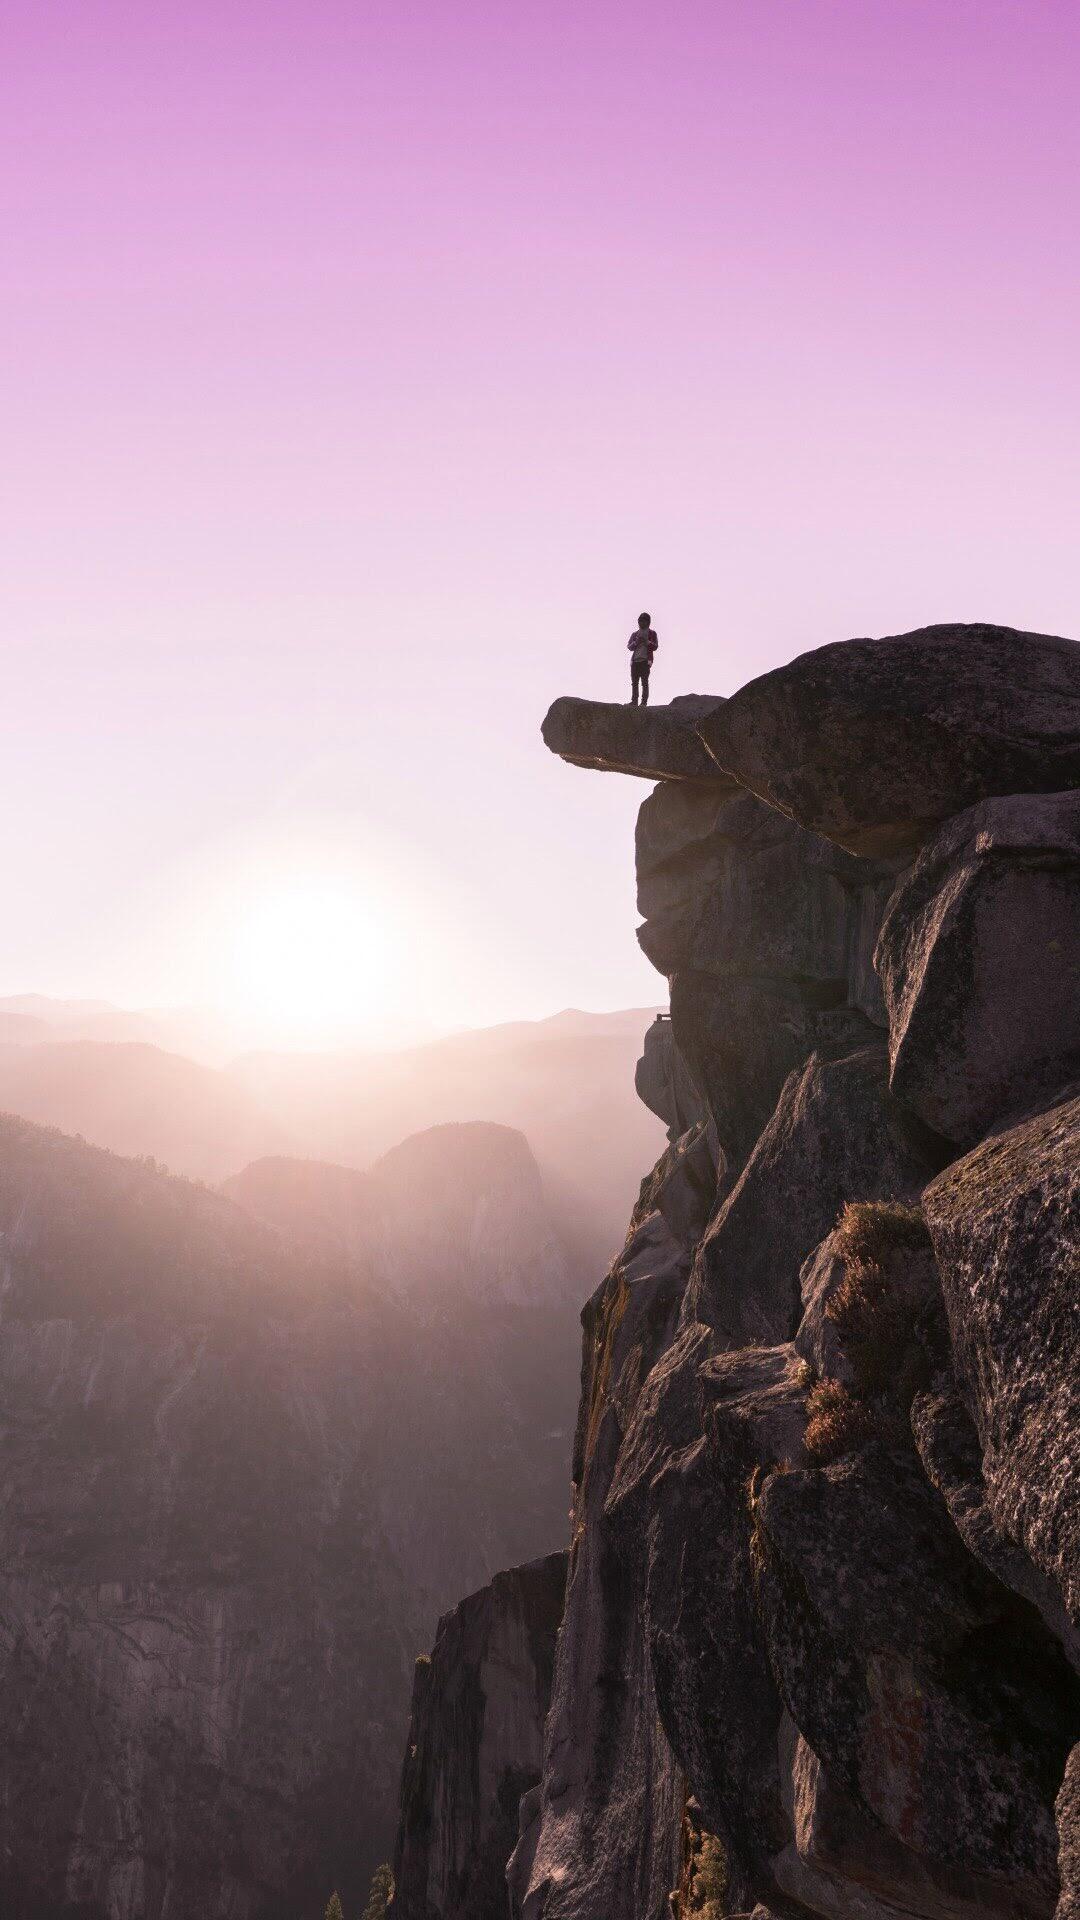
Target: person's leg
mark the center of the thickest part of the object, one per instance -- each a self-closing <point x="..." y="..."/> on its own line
<point x="635" y="681"/>
<point x="645" y="686"/>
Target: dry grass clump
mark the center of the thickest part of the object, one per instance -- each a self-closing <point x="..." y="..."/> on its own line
<point x="869" y="1230"/>
<point x="879" y="1303"/>
<point x="838" y="1422"/>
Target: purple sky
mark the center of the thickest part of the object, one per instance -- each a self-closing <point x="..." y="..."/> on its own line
<point x="367" y="367"/>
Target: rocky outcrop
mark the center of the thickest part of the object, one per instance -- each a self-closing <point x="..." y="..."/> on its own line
<point x="602" y="1835"/>
<point x="1005" y="1223"/>
<point x="980" y="961"/>
<point x="766" y="934"/>
<point x="239" y="1483"/>
<point x="654" y="742"/>
<point x="925" y="1697"/>
<point x="836" y="1133"/>
<point x="819" y="1655"/>
<point x="663" y="1082"/>
<point x="873" y="742"/>
<point x="474" y="1746"/>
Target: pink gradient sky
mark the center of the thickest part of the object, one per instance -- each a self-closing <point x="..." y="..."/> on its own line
<point x="366" y="367"/>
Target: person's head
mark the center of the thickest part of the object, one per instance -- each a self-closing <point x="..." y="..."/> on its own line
<point x="644" y="620"/>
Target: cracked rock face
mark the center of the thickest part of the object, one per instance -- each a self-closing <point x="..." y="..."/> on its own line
<point x="766" y="934"/>
<point x="475" y="1743"/>
<point x="820" y="1653"/>
<point x="979" y="957"/>
<point x="1005" y="1222"/>
<point x="930" y="1699"/>
<point x="602" y="1835"/>
<point x="836" y="1133"/>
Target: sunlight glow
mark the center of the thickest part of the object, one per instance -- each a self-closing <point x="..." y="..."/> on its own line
<point x="309" y="958"/>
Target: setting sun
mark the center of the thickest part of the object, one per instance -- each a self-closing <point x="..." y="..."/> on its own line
<point x="308" y="956"/>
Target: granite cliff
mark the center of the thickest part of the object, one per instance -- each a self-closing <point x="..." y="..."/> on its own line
<point x="249" y="1454"/>
<point x="482" y="1694"/>
<point x="819" y="1650"/>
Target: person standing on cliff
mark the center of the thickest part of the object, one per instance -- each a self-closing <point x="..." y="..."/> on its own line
<point x="641" y="646"/>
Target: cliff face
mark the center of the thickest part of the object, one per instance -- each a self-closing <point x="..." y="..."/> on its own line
<point x="819" y="1649"/>
<point x="475" y="1745"/>
<point x="240" y="1479"/>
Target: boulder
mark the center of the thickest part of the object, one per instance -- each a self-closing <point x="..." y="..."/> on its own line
<point x="1005" y="1222"/>
<point x="933" y="1702"/>
<point x="979" y="956"/>
<point x="654" y="742"/>
<point x="843" y="1863"/>
<point x="475" y="1743"/>
<point x="874" y="742"/>
<point x="836" y="1135"/>
<point x="951" y="1457"/>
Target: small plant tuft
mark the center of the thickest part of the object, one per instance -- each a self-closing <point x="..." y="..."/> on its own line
<point x="882" y="1299"/>
<point x="837" y="1423"/>
<point x="869" y="1230"/>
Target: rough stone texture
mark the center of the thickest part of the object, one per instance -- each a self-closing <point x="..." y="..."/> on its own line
<point x="979" y="956"/>
<point x="932" y="1700"/>
<point x="683" y="1184"/>
<point x="818" y="1628"/>
<point x="951" y="1457"/>
<point x="843" y="1863"/>
<point x="239" y="1484"/>
<point x="662" y="1081"/>
<point x="654" y="742"/>
<point x="701" y="1429"/>
<point x="766" y="934"/>
<point x="1005" y="1221"/>
<point x="603" y="1834"/>
<point x="475" y="1743"/>
<point x="873" y="742"/>
<point x="1068" y="1820"/>
<point x="817" y="1340"/>
<point x="823" y="1594"/>
<point x="836" y="1135"/>
<point x="728" y="886"/>
<point x="742" y="1039"/>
